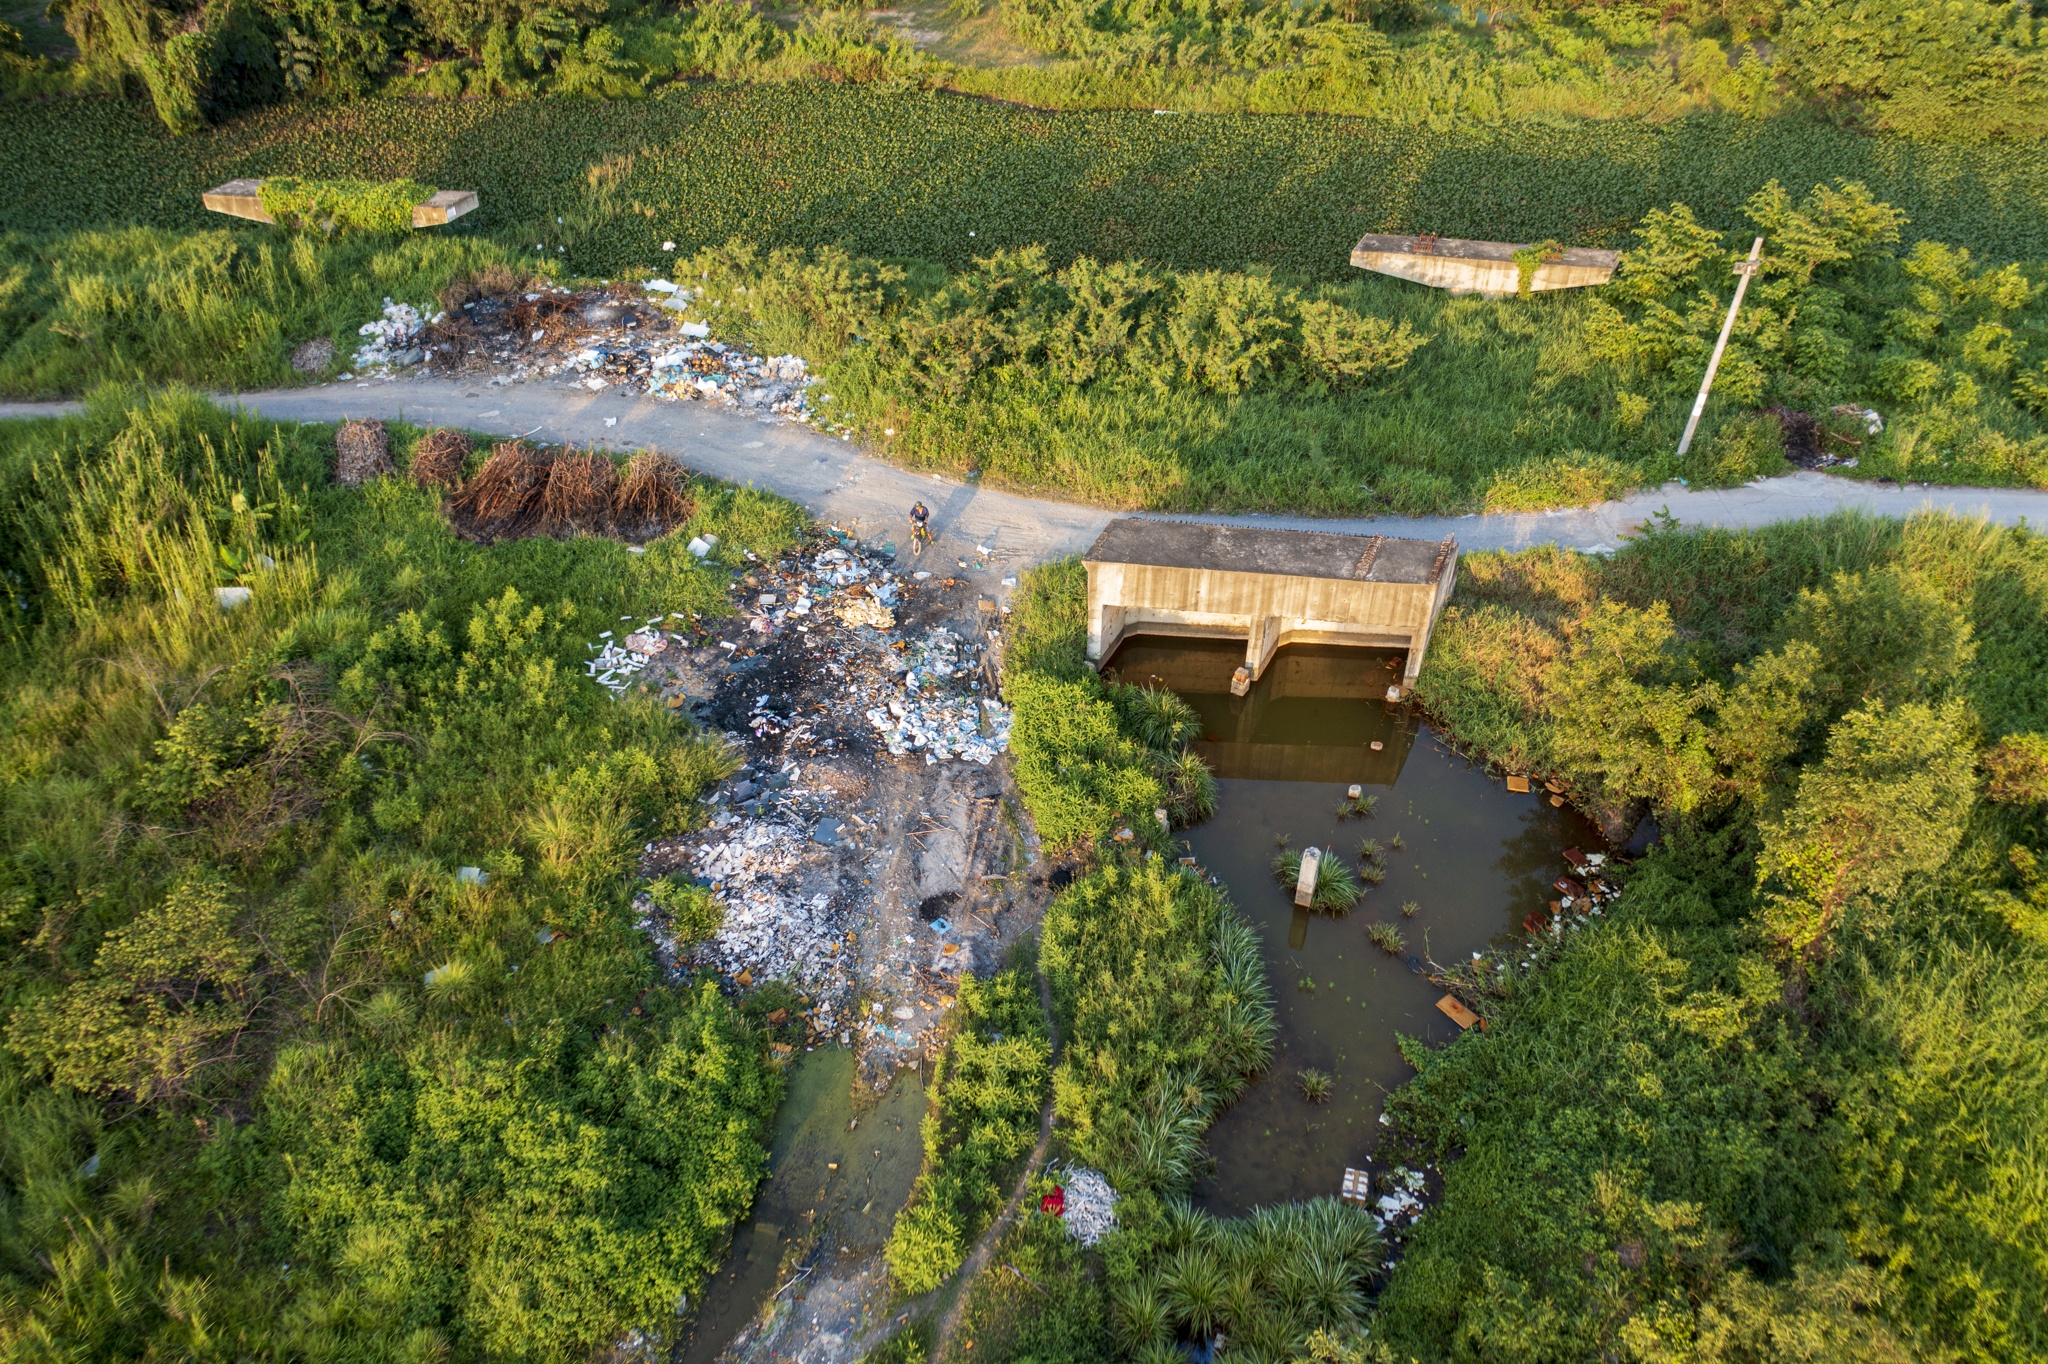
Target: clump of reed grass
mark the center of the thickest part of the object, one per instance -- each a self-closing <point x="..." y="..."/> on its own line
<point x="1387" y="938"/>
<point x="1409" y="909"/>
<point x="577" y="496"/>
<point x="1191" y="787"/>
<point x="1396" y="843"/>
<point x="1358" y="807"/>
<point x="1369" y="850"/>
<point x="1315" y="1085"/>
<point x="1337" y="890"/>
<point x="1372" y="873"/>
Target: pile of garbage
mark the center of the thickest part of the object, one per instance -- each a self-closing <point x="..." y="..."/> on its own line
<point x="1090" y="1211"/>
<point x="1403" y="1202"/>
<point x="772" y="852"/>
<point x="1582" y="898"/>
<point x="774" y="929"/>
<point x="600" y="338"/>
<point x="971" y="728"/>
<point x="394" y="339"/>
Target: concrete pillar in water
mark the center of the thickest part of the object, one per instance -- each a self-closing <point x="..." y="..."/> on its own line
<point x="1305" y="884"/>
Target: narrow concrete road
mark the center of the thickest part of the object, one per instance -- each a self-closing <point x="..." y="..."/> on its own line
<point x="839" y="483"/>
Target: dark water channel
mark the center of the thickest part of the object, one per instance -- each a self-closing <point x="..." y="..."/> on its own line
<point x="847" y="1184"/>
<point x="1477" y="859"/>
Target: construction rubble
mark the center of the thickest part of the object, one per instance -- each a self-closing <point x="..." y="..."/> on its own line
<point x="836" y="667"/>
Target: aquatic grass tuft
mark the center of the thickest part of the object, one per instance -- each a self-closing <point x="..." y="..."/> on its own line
<point x="1387" y="938"/>
<point x="1315" y="1085"/>
<point x="1396" y="843"/>
<point x="1337" y="889"/>
<point x="1369" y="850"/>
<point x="1358" y="807"/>
<point x="1409" y="909"/>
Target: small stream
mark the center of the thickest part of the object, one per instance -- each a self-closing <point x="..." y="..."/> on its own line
<point x="1476" y="860"/>
<point x="853" y="1205"/>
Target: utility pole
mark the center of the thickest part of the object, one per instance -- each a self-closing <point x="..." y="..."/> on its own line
<point x="1746" y="270"/>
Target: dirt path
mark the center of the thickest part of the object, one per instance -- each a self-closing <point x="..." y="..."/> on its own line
<point x="985" y="1248"/>
<point x="837" y="481"/>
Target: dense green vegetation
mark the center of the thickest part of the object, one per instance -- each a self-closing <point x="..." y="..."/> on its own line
<point x="1968" y="71"/>
<point x="987" y="1090"/>
<point x="1777" y="1106"/>
<point x="1782" y="1100"/>
<point x="277" y="1078"/>
<point x="898" y="174"/>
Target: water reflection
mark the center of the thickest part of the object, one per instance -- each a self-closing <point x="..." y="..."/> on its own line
<point x="1475" y="860"/>
<point x="1314" y="716"/>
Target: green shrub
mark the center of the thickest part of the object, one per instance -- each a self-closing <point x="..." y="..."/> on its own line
<point x="289" y="1031"/>
<point x="987" y="1091"/>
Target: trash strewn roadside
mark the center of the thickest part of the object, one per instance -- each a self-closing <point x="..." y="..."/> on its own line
<point x="394" y="338"/>
<point x="627" y="338"/>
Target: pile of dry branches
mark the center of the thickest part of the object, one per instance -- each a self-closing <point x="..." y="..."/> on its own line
<point x="522" y="491"/>
<point x="438" y="459"/>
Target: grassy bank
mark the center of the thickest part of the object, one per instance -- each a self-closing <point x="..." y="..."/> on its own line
<point x="1124" y="384"/>
<point x="1127" y="384"/>
<point x="909" y="174"/>
<point x="276" y="1078"/>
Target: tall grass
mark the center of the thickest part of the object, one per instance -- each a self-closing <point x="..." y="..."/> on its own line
<point x="222" y="308"/>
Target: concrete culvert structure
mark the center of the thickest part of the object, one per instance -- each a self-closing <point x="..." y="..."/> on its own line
<point x="1266" y="587"/>
<point x="1469" y="267"/>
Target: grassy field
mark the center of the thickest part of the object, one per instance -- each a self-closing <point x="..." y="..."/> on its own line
<point x="944" y="178"/>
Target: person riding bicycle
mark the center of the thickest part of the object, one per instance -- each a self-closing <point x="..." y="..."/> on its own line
<point x="920" y="524"/>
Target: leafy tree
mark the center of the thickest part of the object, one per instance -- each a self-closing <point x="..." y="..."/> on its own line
<point x="1643" y="739"/>
<point x="1760" y="722"/>
<point x="1888" y="635"/>
<point x="1888" y="800"/>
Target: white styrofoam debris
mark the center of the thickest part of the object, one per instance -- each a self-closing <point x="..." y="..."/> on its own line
<point x="1090" y="1212"/>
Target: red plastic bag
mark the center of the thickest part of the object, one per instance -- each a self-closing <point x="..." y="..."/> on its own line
<point x="1054" y="1203"/>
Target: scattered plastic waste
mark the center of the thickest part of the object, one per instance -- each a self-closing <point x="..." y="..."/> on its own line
<point x="394" y="338"/>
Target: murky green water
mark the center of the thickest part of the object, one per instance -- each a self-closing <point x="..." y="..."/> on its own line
<point x="855" y="1203"/>
<point x="1476" y="860"/>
